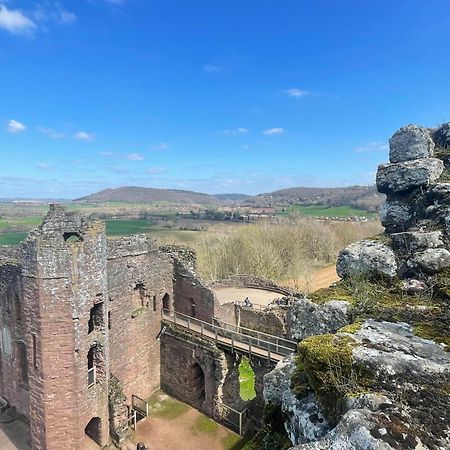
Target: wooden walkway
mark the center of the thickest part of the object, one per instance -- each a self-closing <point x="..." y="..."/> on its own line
<point x="236" y="339"/>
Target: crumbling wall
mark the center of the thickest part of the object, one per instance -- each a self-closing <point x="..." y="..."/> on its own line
<point x="191" y="296"/>
<point x="13" y="369"/>
<point x="181" y="354"/>
<point x="139" y="276"/>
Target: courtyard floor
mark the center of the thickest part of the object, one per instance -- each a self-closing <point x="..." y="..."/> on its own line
<point x="174" y="425"/>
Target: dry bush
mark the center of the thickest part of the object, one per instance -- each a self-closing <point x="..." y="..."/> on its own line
<point x="286" y="249"/>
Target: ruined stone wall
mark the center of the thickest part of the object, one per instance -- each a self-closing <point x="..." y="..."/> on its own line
<point x="13" y="370"/>
<point x="64" y="276"/>
<point x="139" y="276"/>
<point x="181" y="352"/>
<point x="255" y="282"/>
<point x="191" y="296"/>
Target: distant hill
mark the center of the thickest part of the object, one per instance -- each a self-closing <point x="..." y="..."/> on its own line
<point x="363" y="197"/>
<point x="232" y="197"/>
<point x="148" y="195"/>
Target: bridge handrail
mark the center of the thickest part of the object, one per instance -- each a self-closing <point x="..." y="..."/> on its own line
<point x="267" y="336"/>
<point x="276" y="348"/>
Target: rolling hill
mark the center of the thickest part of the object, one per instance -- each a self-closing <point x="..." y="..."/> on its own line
<point x="148" y="195"/>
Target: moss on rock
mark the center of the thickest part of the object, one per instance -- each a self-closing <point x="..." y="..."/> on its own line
<point x="325" y="365"/>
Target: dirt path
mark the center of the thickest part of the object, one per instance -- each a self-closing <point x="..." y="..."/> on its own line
<point x="319" y="279"/>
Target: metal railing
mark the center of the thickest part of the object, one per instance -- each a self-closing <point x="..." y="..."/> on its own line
<point x="238" y="341"/>
<point x="259" y="336"/>
<point x="231" y="417"/>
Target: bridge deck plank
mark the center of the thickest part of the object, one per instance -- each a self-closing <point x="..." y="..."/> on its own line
<point x="244" y="347"/>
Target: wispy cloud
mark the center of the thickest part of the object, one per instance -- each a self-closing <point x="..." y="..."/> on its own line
<point x="43" y="166"/>
<point x="297" y="93"/>
<point x="84" y="136"/>
<point x="52" y="12"/>
<point x="50" y="132"/>
<point x="211" y="68"/>
<point x="376" y="146"/>
<point x="106" y="154"/>
<point x="16" y="127"/>
<point x="156" y="170"/>
<point x="274" y="131"/>
<point x="135" y="157"/>
<point x="16" y="22"/>
<point x="116" y="2"/>
<point x="235" y="131"/>
<point x="160" y="147"/>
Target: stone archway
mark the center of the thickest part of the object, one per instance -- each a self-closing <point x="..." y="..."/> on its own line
<point x="94" y="430"/>
<point x="197" y="383"/>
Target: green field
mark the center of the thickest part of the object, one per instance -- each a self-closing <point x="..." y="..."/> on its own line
<point x="114" y="228"/>
<point x="322" y="211"/>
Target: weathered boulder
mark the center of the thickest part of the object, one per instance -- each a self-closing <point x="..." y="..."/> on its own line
<point x="410" y="142"/>
<point x="278" y="381"/>
<point x="362" y="429"/>
<point x="442" y="136"/>
<point x="431" y="260"/>
<point x="407" y="175"/>
<point x="303" y="419"/>
<point x="412" y="241"/>
<point x="391" y="349"/>
<point x="306" y="318"/>
<point x="396" y="215"/>
<point x="368" y="258"/>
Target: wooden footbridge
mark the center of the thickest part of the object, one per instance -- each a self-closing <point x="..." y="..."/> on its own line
<point x="237" y="339"/>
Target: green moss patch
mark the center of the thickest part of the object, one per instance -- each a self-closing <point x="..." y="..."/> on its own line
<point x="325" y="365"/>
<point x="204" y="425"/>
<point x="246" y="380"/>
<point x="169" y="408"/>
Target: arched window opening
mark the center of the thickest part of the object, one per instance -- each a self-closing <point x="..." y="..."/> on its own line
<point x="139" y="289"/>
<point x="166" y="302"/>
<point x="193" y="312"/>
<point x="246" y="380"/>
<point x="93" y="430"/>
<point x="96" y="318"/>
<point x="72" y="237"/>
<point x="91" y="367"/>
<point x="197" y="383"/>
<point x="23" y="363"/>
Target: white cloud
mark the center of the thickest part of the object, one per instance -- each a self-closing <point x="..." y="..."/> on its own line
<point x="14" y="21"/>
<point x="16" y="127"/>
<point x="297" y="93"/>
<point x="135" y="157"/>
<point x="84" y="136"/>
<point x="43" y="165"/>
<point x="235" y="131"/>
<point x="377" y="146"/>
<point x="156" y="170"/>
<point x="273" y="131"/>
<point x="51" y="133"/>
<point x="48" y="12"/>
<point x="211" y="68"/>
<point x="159" y="147"/>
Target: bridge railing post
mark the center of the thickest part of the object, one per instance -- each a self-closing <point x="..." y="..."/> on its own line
<point x="189" y="323"/>
<point x="232" y="343"/>
<point x="201" y="328"/>
<point x="268" y="351"/>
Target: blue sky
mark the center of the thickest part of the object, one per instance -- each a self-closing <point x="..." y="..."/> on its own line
<point x="214" y="96"/>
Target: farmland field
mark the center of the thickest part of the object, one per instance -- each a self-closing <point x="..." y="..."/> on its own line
<point x="323" y="211"/>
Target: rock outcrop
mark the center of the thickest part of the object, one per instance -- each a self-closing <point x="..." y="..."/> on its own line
<point x="382" y="382"/>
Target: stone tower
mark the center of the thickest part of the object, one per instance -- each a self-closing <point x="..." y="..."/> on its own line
<point x="65" y="300"/>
